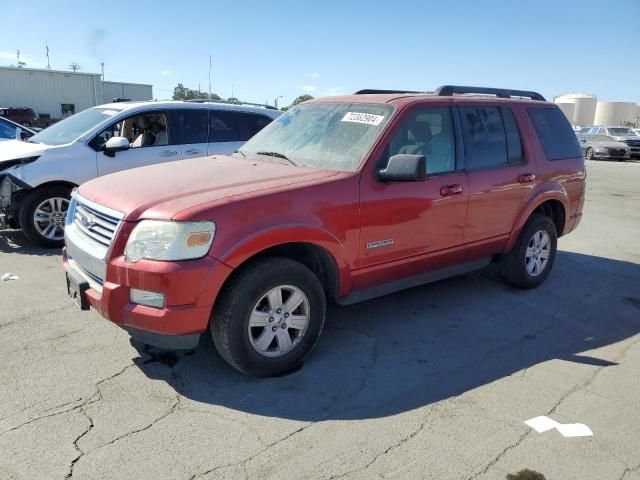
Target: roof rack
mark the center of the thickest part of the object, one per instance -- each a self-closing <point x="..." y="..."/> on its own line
<point x="368" y="91"/>
<point x="449" y="90"/>
<point x="212" y="100"/>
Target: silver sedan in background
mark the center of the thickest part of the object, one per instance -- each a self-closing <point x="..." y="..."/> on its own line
<point x="603" y="147"/>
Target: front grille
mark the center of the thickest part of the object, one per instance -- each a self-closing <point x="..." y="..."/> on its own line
<point x="95" y="225"/>
<point x="617" y="152"/>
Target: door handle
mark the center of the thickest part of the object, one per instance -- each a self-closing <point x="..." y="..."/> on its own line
<point x="192" y="151"/>
<point x="526" y="177"/>
<point x="448" y="190"/>
<point x="168" y="153"/>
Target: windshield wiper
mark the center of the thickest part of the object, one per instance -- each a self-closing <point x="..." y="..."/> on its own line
<point x="277" y="155"/>
<point x="244" y="155"/>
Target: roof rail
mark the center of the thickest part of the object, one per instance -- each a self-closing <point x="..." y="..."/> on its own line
<point x="449" y="90"/>
<point x="226" y="102"/>
<point x="368" y="91"/>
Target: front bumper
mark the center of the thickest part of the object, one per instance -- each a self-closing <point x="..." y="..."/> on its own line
<point x="190" y="289"/>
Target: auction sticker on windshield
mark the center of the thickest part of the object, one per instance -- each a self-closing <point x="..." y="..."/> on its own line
<point x="366" y="118"/>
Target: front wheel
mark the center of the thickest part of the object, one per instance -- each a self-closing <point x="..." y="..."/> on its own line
<point x="43" y="214"/>
<point x="269" y="317"/>
<point x="528" y="264"/>
<point x="589" y="153"/>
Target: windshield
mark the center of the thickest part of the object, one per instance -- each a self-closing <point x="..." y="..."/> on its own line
<point x="622" y="132"/>
<point x="322" y="135"/>
<point x="67" y="130"/>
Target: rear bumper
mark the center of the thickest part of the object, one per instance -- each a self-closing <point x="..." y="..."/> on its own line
<point x="190" y="289"/>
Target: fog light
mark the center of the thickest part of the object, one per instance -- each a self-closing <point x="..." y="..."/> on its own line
<point x="143" y="297"/>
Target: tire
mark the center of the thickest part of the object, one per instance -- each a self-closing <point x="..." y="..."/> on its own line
<point x="516" y="266"/>
<point x="47" y="199"/>
<point x="245" y="297"/>
<point x="589" y="154"/>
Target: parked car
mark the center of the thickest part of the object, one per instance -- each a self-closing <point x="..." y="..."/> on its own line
<point x="620" y="134"/>
<point x="37" y="176"/>
<point x="12" y="131"/>
<point x="342" y="197"/>
<point x="22" y="115"/>
<point x="603" y="147"/>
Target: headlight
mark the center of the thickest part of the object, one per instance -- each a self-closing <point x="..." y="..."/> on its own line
<point x="169" y="241"/>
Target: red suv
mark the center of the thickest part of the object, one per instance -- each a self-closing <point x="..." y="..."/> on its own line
<point x="347" y="198"/>
<point x="22" y="115"/>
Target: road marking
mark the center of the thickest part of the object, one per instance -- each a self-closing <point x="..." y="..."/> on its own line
<point x="542" y="424"/>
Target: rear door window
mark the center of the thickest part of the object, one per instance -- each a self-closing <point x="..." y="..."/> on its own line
<point x="250" y="123"/>
<point x="484" y="137"/>
<point x="555" y="133"/>
<point x="514" y="144"/>
<point x="191" y="126"/>
<point x="223" y="126"/>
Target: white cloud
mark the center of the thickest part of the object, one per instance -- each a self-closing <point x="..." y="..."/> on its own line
<point x="165" y="73"/>
<point x="334" y="91"/>
<point x="314" y="75"/>
<point x="308" y="88"/>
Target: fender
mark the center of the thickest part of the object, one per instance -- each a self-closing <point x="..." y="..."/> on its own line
<point x="543" y="192"/>
<point x="240" y="252"/>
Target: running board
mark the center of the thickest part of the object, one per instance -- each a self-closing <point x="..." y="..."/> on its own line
<point x="403" y="284"/>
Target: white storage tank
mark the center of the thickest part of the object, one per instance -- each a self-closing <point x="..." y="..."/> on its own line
<point x="568" y="109"/>
<point x="614" y="113"/>
<point x="585" y="107"/>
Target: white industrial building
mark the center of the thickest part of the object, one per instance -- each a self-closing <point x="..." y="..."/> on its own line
<point x="585" y="110"/>
<point x="55" y="94"/>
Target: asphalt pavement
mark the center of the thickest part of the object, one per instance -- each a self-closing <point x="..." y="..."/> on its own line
<point x="433" y="382"/>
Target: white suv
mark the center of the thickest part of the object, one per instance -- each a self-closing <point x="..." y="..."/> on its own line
<point x="37" y="176"/>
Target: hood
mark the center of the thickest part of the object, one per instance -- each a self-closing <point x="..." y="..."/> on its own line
<point x="163" y="190"/>
<point x="14" y="149"/>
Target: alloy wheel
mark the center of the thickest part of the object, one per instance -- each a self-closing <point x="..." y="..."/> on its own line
<point x="279" y="320"/>
<point x="537" y="254"/>
<point x="49" y="217"/>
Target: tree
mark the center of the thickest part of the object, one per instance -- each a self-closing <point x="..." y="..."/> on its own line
<point x="180" y="92"/>
<point x="300" y="99"/>
<point x="233" y="100"/>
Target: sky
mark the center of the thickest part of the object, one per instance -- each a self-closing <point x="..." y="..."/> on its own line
<point x="282" y="49"/>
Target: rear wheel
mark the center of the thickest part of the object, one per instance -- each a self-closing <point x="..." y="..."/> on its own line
<point x="589" y="153"/>
<point x="43" y="214"/>
<point x="528" y="264"/>
<point x="269" y="317"/>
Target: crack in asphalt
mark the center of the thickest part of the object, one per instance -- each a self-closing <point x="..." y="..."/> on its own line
<point x="567" y="394"/>
<point x="243" y="463"/>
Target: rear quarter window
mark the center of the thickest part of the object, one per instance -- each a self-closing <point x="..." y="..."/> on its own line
<point x="555" y="133"/>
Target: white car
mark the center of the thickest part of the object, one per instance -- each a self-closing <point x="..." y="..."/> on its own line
<point x="38" y="175"/>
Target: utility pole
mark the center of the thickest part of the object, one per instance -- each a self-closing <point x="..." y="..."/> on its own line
<point x="46" y="46"/>
<point x="20" y="64"/>
<point x="275" y="102"/>
<point x="74" y="66"/>
<point x="102" y="66"/>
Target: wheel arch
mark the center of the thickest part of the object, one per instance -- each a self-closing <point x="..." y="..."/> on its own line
<point x="552" y="203"/>
<point x="316" y="249"/>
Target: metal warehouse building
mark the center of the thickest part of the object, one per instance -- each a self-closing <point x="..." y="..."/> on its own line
<point x="55" y="94"/>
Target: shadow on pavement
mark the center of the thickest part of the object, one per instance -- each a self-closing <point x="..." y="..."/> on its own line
<point x="423" y="345"/>
<point x="13" y="241"/>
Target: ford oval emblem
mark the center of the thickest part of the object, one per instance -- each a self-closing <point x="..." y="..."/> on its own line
<point x="87" y="221"/>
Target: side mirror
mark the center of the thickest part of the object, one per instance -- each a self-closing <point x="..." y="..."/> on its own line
<point x="114" y="145"/>
<point x="404" y="168"/>
<point x="25" y="135"/>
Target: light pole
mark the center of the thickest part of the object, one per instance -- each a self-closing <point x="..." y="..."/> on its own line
<point x="275" y="102"/>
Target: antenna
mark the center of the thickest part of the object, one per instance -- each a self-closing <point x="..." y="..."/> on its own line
<point x="209" y="76"/>
<point x="46" y="46"/>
